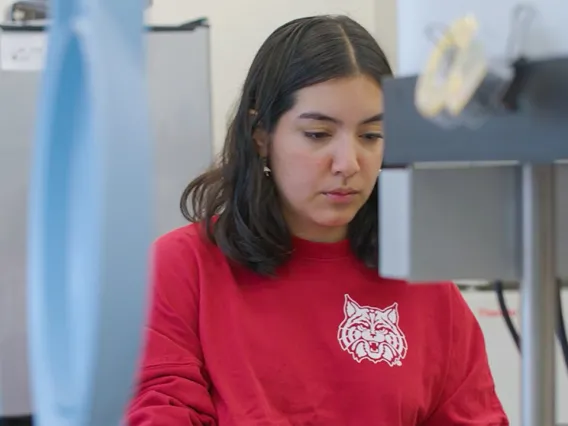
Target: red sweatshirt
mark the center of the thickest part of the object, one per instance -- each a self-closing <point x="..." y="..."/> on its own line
<point x="327" y="343"/>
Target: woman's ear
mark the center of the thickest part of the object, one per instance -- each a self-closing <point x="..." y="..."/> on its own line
<point x="260" y="138"/>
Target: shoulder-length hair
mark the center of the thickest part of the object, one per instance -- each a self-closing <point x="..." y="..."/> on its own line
<point x="234" y="201"/>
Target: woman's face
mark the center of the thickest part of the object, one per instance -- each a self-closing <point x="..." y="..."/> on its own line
<point x="325" y="155"/>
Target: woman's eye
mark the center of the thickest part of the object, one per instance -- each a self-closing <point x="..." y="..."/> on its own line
<point x="373" y="136"/>
<point x="316" y="135"/>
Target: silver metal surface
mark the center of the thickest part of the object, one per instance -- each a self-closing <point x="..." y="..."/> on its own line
<point x="538" y="296"/>
<point x="450" y="224"/>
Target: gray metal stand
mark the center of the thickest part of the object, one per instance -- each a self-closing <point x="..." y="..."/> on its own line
<point x="426" y="211"/>
<point x="538" y="296"/>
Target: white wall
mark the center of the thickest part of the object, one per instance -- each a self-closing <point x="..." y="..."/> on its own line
<point x="238" y="28"/>
<point x="385" y="30"/>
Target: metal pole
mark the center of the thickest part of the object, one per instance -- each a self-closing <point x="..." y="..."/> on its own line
<point x="538" y="289"/>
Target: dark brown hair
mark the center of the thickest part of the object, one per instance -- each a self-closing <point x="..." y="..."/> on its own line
<point x="234" y="200"/>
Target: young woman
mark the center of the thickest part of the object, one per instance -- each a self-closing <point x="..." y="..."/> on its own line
<point x="268" y="310"/>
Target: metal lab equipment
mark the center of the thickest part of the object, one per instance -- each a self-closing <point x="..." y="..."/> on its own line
<point x="489" y="202"/>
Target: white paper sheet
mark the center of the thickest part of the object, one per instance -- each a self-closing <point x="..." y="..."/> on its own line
<point x="22" y="50"/>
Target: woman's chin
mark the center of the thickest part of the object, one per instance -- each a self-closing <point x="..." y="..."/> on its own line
<point x="335" y="219"/>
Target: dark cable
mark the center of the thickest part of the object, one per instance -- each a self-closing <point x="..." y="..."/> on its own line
<point x="560" y="325"/>
<point x="505" y="311"/>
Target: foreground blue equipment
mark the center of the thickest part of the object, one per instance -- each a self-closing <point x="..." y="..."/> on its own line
<point x="90" y="224"/>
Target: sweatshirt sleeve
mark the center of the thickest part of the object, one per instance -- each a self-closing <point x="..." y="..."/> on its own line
<point x="468" y="396"/>
<point x="173" y="388"/>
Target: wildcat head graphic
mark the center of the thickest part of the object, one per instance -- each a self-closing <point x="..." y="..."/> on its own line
<point x="372" y="333"/>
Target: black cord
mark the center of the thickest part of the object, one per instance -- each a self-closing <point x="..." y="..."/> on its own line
<point x="506" y="316"/>
<point x="560" y="325"/>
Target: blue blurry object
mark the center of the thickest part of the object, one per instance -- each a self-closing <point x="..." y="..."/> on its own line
<point x="90" y="222"/>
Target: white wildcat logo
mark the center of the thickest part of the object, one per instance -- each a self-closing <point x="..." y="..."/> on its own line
<point x="372" y="333"/>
